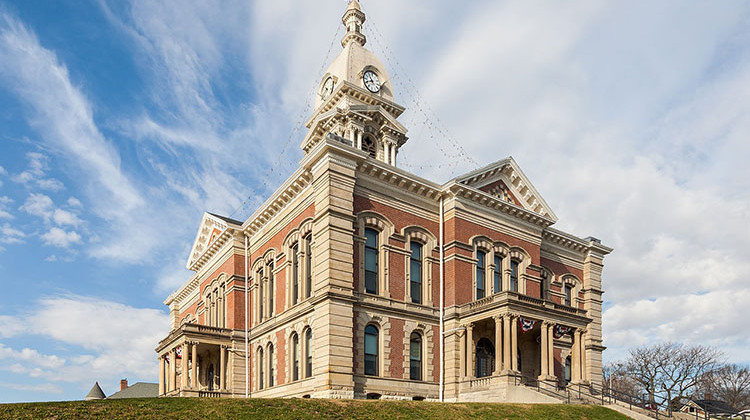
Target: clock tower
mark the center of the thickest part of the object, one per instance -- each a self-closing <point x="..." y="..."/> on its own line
<point x="354" y="101"/>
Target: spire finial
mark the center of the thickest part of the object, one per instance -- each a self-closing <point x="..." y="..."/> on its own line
<point x="353" y="20"/>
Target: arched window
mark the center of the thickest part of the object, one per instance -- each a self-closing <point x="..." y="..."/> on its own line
<point x="295" y="273"/>
<point x="481" y="256"/>
<point x="371" y="350"/>
<point x="308" y="355"/>
<point x="270" y="365"/>
<point x="208" y="310"/>
<point x="485" y="358"/>
<point x="514" y="276"/>
<point x="260" y="368"/>
<point x="371" y="261"/>
<point x="261" y="295"/>
<point x="308" y="265"/>
<point x="369" y="147"/>
<point x="415" y="272"/>
<point x="567" y="369"/>
<point x="295" y="357"/>
<point x="270" y="289"/>
<point x="415" y="357"/>
<point x="498" y="273"/>
<point x="568" y="295"/>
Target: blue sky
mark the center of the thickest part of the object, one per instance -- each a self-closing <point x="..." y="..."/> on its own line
<point x="121" y="122"/>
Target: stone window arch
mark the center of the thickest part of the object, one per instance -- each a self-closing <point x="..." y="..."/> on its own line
<point x="500" y="266"/>
<point x="482" y="252"/>
<point x="214" y="302"/>
<point x="368" y="223"/>
<point x="370" y="145"/>
<point x="260" y="368"/>
<point x="271" y="365"/>
<point x="519" y="260"/>
<point x="571" y="286"/>
<point x="383" y="344"/>
<point x="298" y="251"/>
<point x="426" y="242"/>
<point x="294" y="359"/>
<point x="264" y="272"/>
<point x="485" y="358"/>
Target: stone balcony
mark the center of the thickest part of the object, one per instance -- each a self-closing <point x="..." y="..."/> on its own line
<point x="517" y="301"/>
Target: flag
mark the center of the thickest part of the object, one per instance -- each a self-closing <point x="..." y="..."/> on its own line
<point x="560" y="331"/>
<point x="526" y="324"/>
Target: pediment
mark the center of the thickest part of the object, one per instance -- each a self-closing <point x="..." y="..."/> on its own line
<point x="505" y="180"/>
<point x="211" y="227"/>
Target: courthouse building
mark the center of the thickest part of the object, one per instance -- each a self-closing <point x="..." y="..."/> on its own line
<point x="334" y="287"/>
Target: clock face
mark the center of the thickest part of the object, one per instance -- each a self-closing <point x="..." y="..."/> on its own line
<point x="371" y="81"/>
<point x="327" y="87"/>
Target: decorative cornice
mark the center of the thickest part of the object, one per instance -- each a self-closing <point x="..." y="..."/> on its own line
<point x="566" y="240"/>
<point x="278" y="201"/>
<point x="495" y="203"/>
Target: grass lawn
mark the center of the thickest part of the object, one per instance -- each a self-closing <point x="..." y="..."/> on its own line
<point x="280" y="409"/>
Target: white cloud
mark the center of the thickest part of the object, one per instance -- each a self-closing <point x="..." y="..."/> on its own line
<point x="61" y="238"/>
<point x="3" y="171"/>
<point x="74" y="202"/>
<point x="46" y="388"/>
<point x="118" y="340"/>
<point x="34" y="174"/>
<point x="11" y="235"/>
<point x="5" y="202"/>
<point x="39" y="205"/>
<point x="66" y="218"/>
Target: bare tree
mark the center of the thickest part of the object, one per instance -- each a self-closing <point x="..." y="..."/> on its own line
<point x="729" y="383"/>
<point x="668" y="372"/>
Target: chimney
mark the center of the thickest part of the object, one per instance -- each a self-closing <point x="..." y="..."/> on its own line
<point x="123" y="383"/>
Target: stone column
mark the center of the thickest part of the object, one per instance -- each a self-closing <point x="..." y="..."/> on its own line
<point x="173" y="370"/>
<point x="498" y="345"/>
<point x="551" y="349"/>
<point x="462" y="356"/>
<point x="222" y="368"/>
<point x="506" y="342"/>
<point x="194" y="378"/>
<point x="359" y="139"/>
<point x="582" y="354"/>
<point x="184" y="366"/>
<point x="545" y="351"/>
<point x="514" y="343"/>
<point x="393" y="154"/>
<point x="575" y="359"/>
<point x="161" y="375"/>
<point x="470" y="350"/>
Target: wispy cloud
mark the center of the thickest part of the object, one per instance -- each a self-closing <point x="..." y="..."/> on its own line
<point x="35" y="174"/>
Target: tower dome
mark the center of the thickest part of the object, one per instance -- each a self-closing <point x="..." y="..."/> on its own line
<point x="354" y="103"/>
<point x="354" y="60"/>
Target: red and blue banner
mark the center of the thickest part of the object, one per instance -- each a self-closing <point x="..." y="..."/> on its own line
<point x="526" y="324"/>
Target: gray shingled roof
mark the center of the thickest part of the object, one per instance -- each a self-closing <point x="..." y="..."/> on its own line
<point x="716" y="406"/>
<point x="226" y="219"/>
<point x="96" y="393"/>
<point x="138" y="390"/>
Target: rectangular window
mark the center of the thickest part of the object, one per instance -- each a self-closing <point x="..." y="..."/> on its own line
<point x="480" y="274"/>
<point x="415" y="272"/>
<point x="308" y="265"/>
<point x="415" y="358"/>
<point x="568" y="295"/>
<point x="371" y="350"/>
<point x="498" y="274"/>
<point x="295" y="274"/>
<point x="371" y="261"/>
<point x="514" y="276"/>
<point x="308" y="355"/>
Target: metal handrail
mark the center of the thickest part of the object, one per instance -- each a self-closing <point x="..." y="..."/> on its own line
<point x="592" y="393"/>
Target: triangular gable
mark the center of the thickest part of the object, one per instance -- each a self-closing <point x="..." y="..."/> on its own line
<point x="506" y="180"/>
<point x="211" y="226"/>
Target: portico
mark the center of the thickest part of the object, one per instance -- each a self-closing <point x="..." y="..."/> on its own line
<point x="195" y="361"/>
<point x="508" y="339"/>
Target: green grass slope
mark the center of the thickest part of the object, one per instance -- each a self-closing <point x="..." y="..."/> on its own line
<point x="194" y="408"/>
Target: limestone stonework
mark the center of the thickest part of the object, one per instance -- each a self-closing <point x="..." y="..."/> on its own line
<point x="339" y="273"/>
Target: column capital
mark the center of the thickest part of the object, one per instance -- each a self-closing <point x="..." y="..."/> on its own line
<point x="548" y="323"/>
<point x="498" y="318"/>
<point x="469" y="325"/>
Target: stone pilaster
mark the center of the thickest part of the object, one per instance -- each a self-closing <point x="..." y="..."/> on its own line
<point x="161" y="375"/>
<point x="498" y="345"/>
<point x="333" y="254"/>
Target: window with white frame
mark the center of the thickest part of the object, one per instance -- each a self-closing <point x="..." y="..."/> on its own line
<point x="480" y="277"/>
<point x="371" y="350"/>
<point x="371" y="261"/>
<point x="415" y="272"/>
